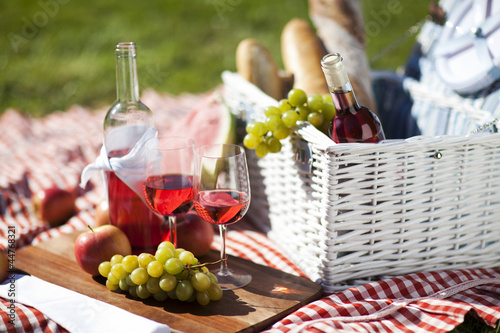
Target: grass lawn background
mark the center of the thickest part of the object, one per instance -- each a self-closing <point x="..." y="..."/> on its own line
<point x="55" y="53"/>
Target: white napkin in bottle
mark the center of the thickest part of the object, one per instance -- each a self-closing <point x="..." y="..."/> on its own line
<point x="74" y="311"/>
<point x="129" y="168"/>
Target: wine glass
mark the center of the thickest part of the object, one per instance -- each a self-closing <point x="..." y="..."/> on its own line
<point x="168" y="187"/>
<point x="221" y="191"/>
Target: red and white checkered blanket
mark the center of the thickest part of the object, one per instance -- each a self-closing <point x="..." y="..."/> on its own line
<point x="37" y="153"/>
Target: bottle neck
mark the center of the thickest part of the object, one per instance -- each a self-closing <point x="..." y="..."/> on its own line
<point x="338" y="82"/>
<point x="344" y="101"/>
<point x="128" y="110"/>
<point x="127" y="85"/>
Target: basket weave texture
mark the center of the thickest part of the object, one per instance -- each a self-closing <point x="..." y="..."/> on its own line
<point x="348" y="213"/>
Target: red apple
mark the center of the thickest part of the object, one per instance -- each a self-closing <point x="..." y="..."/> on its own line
<point x="4" y="265"/>
<point x="54" y="205"/>
<point x="98" y="245"/>
<point x="102" y="213"/>
<point x="194" y="234"/>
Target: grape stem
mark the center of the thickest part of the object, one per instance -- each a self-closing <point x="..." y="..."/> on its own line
<point x="203" y="265"/>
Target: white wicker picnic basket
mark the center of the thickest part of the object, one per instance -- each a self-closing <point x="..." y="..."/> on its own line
<point x="348" y="213"/>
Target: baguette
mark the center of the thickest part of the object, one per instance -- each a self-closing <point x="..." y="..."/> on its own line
<point x="340" y="26"/>
<point x="302" y="51"/>
<point x="255" y="64"/>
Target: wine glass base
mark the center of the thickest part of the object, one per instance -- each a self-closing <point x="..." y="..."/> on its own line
<point x="232" y="279"/>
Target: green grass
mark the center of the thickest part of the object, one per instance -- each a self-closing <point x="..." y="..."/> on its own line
<point x="55" y="53"/>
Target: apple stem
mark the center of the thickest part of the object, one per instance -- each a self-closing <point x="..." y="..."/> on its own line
<point x="90" y="228"/>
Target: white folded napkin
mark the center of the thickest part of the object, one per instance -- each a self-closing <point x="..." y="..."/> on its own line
<point x="129" y="168"/>
<point x="75" y="312"/>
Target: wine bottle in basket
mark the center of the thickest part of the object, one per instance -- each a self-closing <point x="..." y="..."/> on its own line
<point x="352" y="123"/>
<point x="124" y="125"/>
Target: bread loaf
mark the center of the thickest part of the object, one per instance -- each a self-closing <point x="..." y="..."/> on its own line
<point x="302" y="51"/>
<point x="255" y="64"/>
<point x="340" y="26"/>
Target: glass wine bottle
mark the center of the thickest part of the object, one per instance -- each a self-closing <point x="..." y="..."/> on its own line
<point x="352" y="123"/>
<point x="125" y="123"/>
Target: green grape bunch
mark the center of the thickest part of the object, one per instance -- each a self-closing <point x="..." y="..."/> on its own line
<point x="171" y="273"/>
<point x="266" y="136"/>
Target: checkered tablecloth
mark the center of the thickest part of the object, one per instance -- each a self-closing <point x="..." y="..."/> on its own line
<point x="37" y="153"/>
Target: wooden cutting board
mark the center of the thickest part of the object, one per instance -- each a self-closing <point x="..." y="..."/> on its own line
<point x="270" y="296"/>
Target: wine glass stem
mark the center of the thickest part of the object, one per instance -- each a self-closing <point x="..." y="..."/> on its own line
<point x="223" y="263"/>
<point x="172" y="227"/>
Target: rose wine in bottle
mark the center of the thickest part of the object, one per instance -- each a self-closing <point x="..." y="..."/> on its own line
<point x="124" y="125"/>
<point x="352" y="123"/>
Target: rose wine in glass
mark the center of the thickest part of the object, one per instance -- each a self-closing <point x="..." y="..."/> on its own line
<point x="221" y="196"/>
<point x="169" y="194"/>
<point x="168" y="184"/>
<point x="221" y="206"/>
